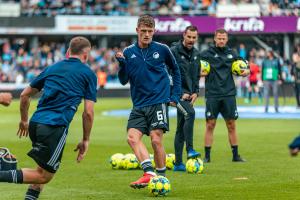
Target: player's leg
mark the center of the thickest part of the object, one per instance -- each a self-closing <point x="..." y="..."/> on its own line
<point x="158" y="121"/>
<point x="136" y="127"/>
<point x="134" y="140"/>
<point x="156" y="136"/>
<point x="179" y="142"/>
<point x="36" y="178"/>
<point x="188" y="111"/>
<point x="230" y="114"/>
<point x="211" y="113"/>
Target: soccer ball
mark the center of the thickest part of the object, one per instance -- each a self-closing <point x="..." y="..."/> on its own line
<point x="205" y="67"/>
<point x="159" y="186"/>
<point x="194" y="165"/>
<point x="170" y="161"/>
<point x="238" y="67"/>
<point x="130" y="161"/>
<point x="152" y="160"/>
<point x="116" y="160"/>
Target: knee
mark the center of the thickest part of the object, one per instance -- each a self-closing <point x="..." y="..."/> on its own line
<point x="132" y="141"/>
<point x="44" y="178"/>
<point x="210" y="125"/>
<point x="231" y="126"/>
<point x="156" y="140"/>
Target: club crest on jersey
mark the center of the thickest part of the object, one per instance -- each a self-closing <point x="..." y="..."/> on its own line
<point x="155" y="55"/>
<point x="229" y="56"/>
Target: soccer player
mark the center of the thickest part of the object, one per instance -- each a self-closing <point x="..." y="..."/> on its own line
<point x="64" y="85"/>
<point x="187" y="57"/>
<point x="145" y="66"/>
<point x="5" y="98"/>
<point x="220" y="92"/>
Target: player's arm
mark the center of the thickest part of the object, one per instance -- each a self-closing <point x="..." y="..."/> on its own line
<point x="122" y="74"/>
<point x="176" y="89"/>
<point x="87" y="124"/>
<point x="90" y="97"/>
<point x="25" y="96"/>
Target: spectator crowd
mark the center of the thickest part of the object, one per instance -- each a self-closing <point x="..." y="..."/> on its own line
<point x="160" y="7"/>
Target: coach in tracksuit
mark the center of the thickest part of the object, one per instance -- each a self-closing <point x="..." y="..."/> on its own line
<point x="187" y="57"/>
<point x="145" y="66"/>
<point x="220" y="92"/>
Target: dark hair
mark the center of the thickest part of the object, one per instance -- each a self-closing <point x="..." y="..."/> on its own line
<point x="78" y="44"/>
<point x="146" y="20"/>
<point x="191" y="28"/>
<point x="221" y="30"/>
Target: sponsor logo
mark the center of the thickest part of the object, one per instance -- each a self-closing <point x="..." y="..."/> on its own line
<point x="245" y="25"/>
<point x="174" y="25"/>
<point x="55" y="167"/>
<point x="133" y="56"/>
<point x="216" y="55"/>
<point x="229" y="56"/>
<point x="195" y="57"/>
<point x="161" y="123"/>
<point x="155" y="55"/>
<point x="154" y="124"/>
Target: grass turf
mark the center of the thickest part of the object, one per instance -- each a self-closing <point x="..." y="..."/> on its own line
<point x="269" y="173"/>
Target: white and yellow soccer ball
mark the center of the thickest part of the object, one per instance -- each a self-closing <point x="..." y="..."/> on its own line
<point x="170" y="161"/>
<point x="238" y="67"/>
<point x="130" y="161"/>
<point x="205" y="67"/>
<point x="116" y="160"/>
<point x="159" y="186"/>
<point x="194" y="165"/>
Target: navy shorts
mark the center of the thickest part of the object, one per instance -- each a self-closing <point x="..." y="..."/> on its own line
<point x="148" y="118"/>
<point x="48" y="143"/>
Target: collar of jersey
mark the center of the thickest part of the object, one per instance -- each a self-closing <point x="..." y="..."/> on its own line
<point x="137" y="45"/>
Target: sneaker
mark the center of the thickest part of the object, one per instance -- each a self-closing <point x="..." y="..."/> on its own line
<point x="238" y="159"/>
<point x="192" y="154"/>
<point x="142" y="182"/>
<point x="206" y="160"/>
<point x="179" y="168"/>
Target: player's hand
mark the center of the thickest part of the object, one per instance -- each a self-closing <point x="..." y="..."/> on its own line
<point x="119" y="54"/>
<point x="193" y="98"/>
<point x="23" y="129"/>
<point x="82" y="149"/>
<point x="186" y="96"/>
<point x="279" y="82"/>
<point x="203" y="73"/>
<point x="294" y="152"/>
<point x="173" y="104"/>
<point x="5" y="98"/>
<point x="245" y="73"/>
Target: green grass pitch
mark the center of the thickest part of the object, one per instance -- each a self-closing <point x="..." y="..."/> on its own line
<point x="269" y="173"/>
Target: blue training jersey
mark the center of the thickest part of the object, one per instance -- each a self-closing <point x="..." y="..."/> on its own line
<point x="65" y="84"/>
<point x="146" y="69"/>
